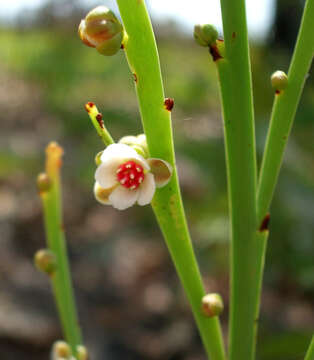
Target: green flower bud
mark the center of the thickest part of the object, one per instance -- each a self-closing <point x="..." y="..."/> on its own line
<point x="205" y="35"/>
<point x="212" y="305"/>
<point x="45" y="261"/>
<point x="138" y="143"/>
<point x="43" y="182"/>
<point x="82" y="353"/>
<point x="279" y="80"/>
<point x="102" y="30"/>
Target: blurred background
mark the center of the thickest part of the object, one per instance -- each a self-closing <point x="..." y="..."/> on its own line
<point x="130" y="302"/>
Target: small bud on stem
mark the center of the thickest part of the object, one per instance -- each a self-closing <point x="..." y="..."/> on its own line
<point x="45" y="261"/>
<point x="212" y="305"/>
<point x="205" y="35"/>
<point x="43" y="182"/>
<point x="279" y="80"/>
<point x="102" y="30"/>
<point x="82" y="353"/>
<point x="61" y="349"/>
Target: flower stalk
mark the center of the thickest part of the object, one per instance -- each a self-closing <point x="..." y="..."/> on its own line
<point x="61" y="278"/>
<point x="284" y="110"/>
<point x="142" y="56"/>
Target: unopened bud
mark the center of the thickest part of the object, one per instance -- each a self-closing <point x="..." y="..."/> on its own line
<point x="205" y="35"/>
<point x="101" y="29"/>
<point x="43" y="182"/>
<point x="212" y="305"/>
<point x="138" y="143"/>
<point x="82" y="353"/>
<point x="45" y="261"/>
<point x="61" y="349"/>
<point x="279" y="80"/>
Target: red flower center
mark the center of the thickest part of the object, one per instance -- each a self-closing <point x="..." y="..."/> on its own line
<point x="130" y="175"/>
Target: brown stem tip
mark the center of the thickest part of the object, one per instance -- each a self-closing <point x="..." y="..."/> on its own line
<point x="265" y="223"/>
<point x="169" y="103"/>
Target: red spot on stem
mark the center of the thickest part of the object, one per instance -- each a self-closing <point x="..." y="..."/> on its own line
<point x="135" y="77"/>
<point x="213" y="49"/>
<point x="99" y="120"/>
<point x="169" y="102"/>
<point x="277" y="92"/>
<point x="233" y="35"/>
<point x="265" y="223"/>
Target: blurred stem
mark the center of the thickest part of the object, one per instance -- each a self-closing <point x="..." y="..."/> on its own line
<point x="310" y="352"/>
<point x="284" y="109"/>
<point x="142" y="55"/>
<point x="236" y="94"/>
<point x="61" y="279"/>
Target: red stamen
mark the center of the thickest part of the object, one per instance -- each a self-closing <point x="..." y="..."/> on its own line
<point x="130" y="175"/>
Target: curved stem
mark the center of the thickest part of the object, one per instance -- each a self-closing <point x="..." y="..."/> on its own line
<point x="284" y="109"/>
<point x="142" y="55"/>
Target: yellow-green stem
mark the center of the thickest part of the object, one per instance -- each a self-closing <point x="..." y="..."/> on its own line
<point x="236" y="93"/>
<point x="142" y="55"/>
<point x="61" y="279"/>
<point x="284" y="109"/>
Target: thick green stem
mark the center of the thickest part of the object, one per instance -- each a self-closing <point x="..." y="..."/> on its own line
<point x="284" y="109"/>
<point x="236" y="93"/>
<point x="310" y="352"/>
<point x="61" y="280"/>
<point x="142" y="55"/>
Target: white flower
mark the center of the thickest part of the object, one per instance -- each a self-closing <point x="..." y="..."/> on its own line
<point x="124" y="177"/>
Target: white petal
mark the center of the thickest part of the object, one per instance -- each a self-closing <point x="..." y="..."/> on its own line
<point x="120" y="151"/>
<point x="161" y="170"/>
<point x="122" y="198"/>
<point x="101" y="194"/>
<point x="147" y="190"/>
<point x="106" y="173"/>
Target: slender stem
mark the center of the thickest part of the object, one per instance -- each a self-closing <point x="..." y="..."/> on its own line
<point x="310" y="352"/>
<point x="236" y="93"/>
<point x="97" y="121"/>
<point x="61" y="280"/>
<point x="261" y="245"/>
<point x="284" y="109"/>
<point x="142" y="55"/>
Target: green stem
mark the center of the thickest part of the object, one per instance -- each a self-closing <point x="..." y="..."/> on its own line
<point x="310" y="352"/>
<point x="61" y="280"/>
<point x="236" y="93"/>
<point x="284" y="109"/>
<point x="142" y="55"/>
<point x="97" y="121"/>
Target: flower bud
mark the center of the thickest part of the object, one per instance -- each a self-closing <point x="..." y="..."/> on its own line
<point x="101" y="29"/>
<point x="45" y="261"/>
<point x="138" y="143"/>
<point x="212" y="305"/>
<point x="61" y="350"/>
<point x="43" y="182"/>
<point x="205" y="35"/>
<point x="82" y="353"/>
<point x="279" y="80"/>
